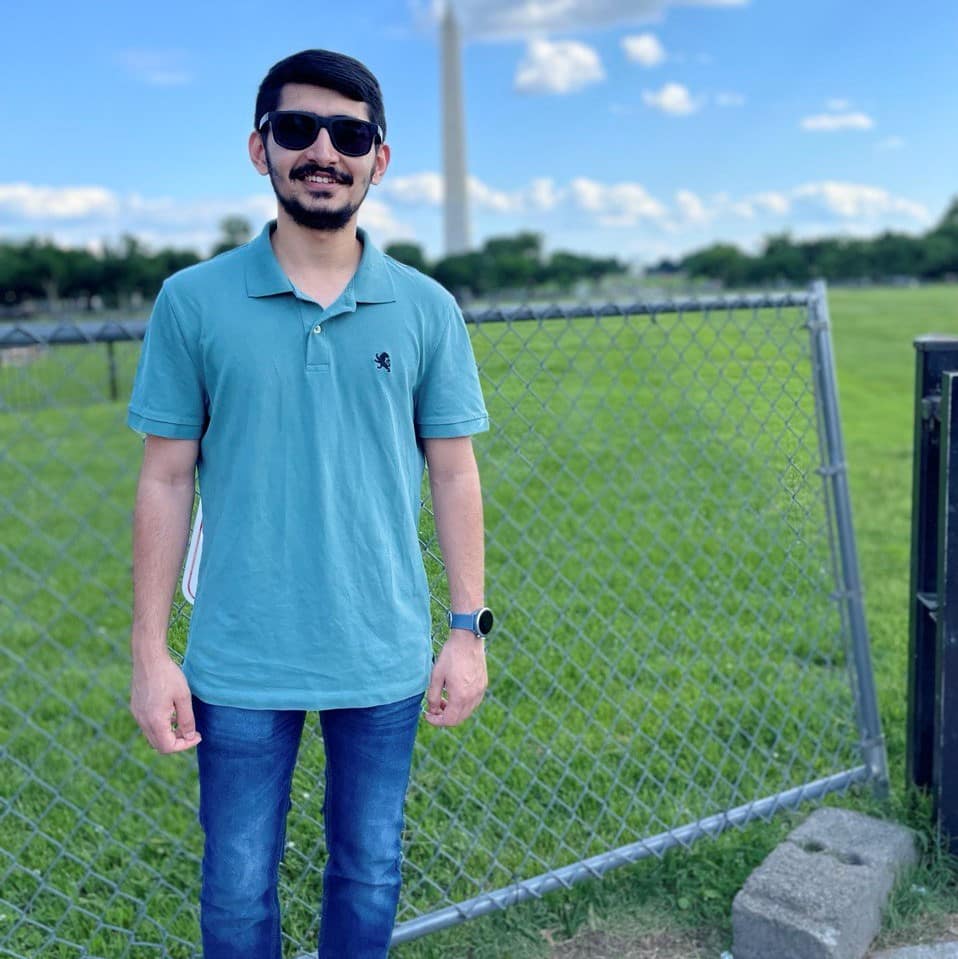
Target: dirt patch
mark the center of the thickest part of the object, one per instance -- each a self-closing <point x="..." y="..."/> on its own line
<point x="594" y="944"/>
<point x="928" y="930"/>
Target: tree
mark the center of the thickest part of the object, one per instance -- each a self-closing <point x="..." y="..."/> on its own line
<point x="939" y="255"/>
<point x="409" y="253"/>
<point x="949" y="218"/>
<point x="512" y="261"/>
<point x="721" y="261"/>
<point x="523" y="246"/>
<point x="940" y="246"/>
<point x="781" y="260"/>
<point x="567" y="269"/>
<point x="464" y="274"/>
<point x="234" y="232"/>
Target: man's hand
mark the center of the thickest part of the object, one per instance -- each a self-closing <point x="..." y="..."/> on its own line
<point x="162" y="706"/>
<point x="460" y="670"/>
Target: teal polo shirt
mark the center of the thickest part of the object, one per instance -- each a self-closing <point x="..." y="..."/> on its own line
<point x="311" y="591"/>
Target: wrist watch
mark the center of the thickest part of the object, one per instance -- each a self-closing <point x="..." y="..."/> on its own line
<point x="478" y="622"/>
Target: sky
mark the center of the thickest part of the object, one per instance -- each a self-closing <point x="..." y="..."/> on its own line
<point x="640" y="129"/>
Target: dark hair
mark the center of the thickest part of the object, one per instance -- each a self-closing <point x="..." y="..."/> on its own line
<point x="322" y="68"/>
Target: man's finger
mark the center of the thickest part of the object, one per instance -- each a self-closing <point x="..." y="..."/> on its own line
<point x="185" y="723"/>
<point x="454" y="711"/>
<point x="168" y="740"/>
<point x="434" y="694"/>
<point x="437" y="719"/>
<point x="160" y="736"/>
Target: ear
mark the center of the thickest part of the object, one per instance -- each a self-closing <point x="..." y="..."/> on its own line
<point x="381" y="162"/>
<point x="257" y="153"/>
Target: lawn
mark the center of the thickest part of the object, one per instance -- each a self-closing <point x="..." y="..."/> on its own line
<point x="667" y="649"/>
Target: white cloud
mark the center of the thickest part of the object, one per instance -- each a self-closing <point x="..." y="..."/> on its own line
<point x="728" y="99"/>
<point x="56" y="203"/>
<point x="673" y="98"/>
<point x="157" y="68"/>
<point x="691" y="207"/>
<point x="167" y="212"/>
<point x="644" y="49"/>
<point x="722" y="205"/>
<point x="772" y="202"/>
<point x="428" y="188"/>
<point x="561" y="67"/>
<point x="830" y="122"/>
<point x="616" y="204"/>
<point x="593" y="211"/>
<point x="524" y="18"/>
<point x="542" y="195"/>
<point x="79" y="215"/>
<point x="750" y="207"/>
<point x="488" y="198"/>
<point x="377" y="217"/>
<point x="859" y="201"/>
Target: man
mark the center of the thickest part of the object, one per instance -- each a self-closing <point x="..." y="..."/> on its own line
<point x="307" y="377"/>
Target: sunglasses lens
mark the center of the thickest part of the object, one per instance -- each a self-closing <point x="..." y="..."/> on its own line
<point x="294" y="131"/>
<point x="352" y="137"/>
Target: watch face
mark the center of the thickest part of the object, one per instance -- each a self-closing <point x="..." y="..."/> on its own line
<point x="484" y="621"/>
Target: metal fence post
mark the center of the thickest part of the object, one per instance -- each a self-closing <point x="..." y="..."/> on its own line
<point x="111" y="366"/>
<point x="934" y="355"/>
<point x="849" y="592"/>
<point x="946" y="674"/>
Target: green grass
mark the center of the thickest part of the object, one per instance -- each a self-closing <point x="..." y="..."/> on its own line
<point x="666" y="647"/>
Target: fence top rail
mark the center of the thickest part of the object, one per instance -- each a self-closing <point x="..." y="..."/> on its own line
<point x="69" y="331"/>
<point x="571" y="311"/>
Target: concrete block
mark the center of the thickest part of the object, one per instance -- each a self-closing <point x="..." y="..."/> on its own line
<point x="819" y="895"/>
<point x="805" y="905"/>
<point x="852" y="836"/>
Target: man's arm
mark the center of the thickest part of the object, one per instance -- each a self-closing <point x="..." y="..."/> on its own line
<point x="159" y="695"/>
<point x="460" y="668"/>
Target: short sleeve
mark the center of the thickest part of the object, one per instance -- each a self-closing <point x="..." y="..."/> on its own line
<point x="449" y="399"/>
<point x="168" y="397"/>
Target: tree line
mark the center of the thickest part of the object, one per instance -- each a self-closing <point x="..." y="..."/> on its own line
<point x="39" y="273"/>
<point x="516" y="263"/>
<point x="890" y="256"/>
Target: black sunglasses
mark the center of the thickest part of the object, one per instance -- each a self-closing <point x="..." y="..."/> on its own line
<point x="298" y="129"/>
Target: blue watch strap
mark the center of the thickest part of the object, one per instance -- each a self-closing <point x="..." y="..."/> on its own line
<point x="478" y="622"/>
<point x="463" y="621"/>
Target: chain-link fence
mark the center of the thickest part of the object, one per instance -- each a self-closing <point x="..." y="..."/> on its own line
<point x="680" y="645"/>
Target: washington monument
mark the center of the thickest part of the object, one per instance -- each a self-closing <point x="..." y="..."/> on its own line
<point x="456" y="209"/>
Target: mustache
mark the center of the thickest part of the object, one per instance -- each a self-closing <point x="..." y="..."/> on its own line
<point x="314" y="169"/>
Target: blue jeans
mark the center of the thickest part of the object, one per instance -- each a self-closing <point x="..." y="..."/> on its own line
<point x="246" y="762"/>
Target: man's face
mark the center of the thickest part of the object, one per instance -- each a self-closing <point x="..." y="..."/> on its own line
<point x="318" y="187"/>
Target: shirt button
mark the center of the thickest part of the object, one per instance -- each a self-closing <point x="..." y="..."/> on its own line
<point x="317" y="329"/>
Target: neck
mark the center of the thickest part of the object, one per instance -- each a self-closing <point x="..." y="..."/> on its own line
<point x="305" y="252"/>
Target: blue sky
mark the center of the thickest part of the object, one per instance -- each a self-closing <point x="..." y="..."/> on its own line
<point x="639" y="129"/>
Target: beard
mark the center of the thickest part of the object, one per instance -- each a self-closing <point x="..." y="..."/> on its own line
<point x="329" y="220"/>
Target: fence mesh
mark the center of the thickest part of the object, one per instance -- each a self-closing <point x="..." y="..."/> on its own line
<point x="670" y="644"/>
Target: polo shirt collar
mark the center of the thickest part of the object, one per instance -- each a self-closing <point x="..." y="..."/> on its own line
<point x="264" y="275"/>
<point x="371" y="282"/>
